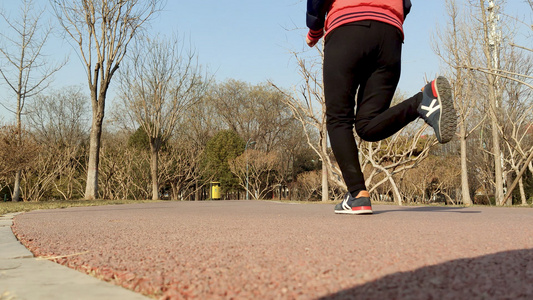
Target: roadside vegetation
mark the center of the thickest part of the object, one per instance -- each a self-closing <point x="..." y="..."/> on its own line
<point x="14" y="207"/>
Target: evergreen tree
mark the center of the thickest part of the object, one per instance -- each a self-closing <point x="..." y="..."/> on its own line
<point x="223" y="146"/>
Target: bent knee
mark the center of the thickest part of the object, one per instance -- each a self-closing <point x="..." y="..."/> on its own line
<point x="365" y="134"/>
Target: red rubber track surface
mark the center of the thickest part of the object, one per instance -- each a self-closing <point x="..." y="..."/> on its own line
<point x="268" y="250"/>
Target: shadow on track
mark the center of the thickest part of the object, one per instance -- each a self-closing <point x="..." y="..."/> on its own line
<point x="431" y="209"/>
<point x="504" y="275"/>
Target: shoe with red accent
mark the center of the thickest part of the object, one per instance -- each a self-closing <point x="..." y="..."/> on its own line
<point x="437" y="109"/>
<point x="354" y="206"/>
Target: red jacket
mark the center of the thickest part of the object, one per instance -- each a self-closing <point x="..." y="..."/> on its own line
<point x="330" y="14"/>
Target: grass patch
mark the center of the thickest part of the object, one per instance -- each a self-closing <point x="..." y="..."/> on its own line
<point x="14" y="207"/>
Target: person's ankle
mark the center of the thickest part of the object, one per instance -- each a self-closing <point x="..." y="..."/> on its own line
<point x="361" y="194"/>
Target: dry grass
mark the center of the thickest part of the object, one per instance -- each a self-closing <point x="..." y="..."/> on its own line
<point x="13" y="207"/>
<point x="7" y="296"/>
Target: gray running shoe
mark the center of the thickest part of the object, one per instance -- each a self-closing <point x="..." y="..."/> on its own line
<point x="354" y="206"/>
<point x="437" y="109"/>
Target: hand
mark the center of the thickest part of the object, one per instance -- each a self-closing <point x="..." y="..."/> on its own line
<point x="310" y="43"/>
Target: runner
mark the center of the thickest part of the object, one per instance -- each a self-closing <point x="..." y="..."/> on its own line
<point x="362" y="58"/>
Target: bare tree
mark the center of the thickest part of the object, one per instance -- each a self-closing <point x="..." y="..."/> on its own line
<point x="260" y="170"/>
<point x="302" y="105"/>
<point x="180" y="169"/>
<point x="123" y="168"/>
<point x="102" y="31"/>
<point x="530" y="2"/>
<point x="524" y="79"/>
<point x="157" y="86"/>
<point x="15" y="154"/>
<point x="434" y="177"/>
<point x="455" y="45"/>
<point x="394" y="156"/>
<point x="498" y="77"/>
<point x="308" y="184"/>
<point x="39" y="165"/>
<point x="42" y="175"/>
<point x="60" y="117"/>
<point x="59" y="122"/>
<point x="234" y="107"/>
<point x="27" y="72"/>
<point x="491" y="49"/>
<point x="518" y="121"/>
<point x="197" y="127"/>
<point x="256" y="112"/>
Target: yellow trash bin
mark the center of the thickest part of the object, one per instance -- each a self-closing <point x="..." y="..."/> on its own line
<point x="215" y="190"/>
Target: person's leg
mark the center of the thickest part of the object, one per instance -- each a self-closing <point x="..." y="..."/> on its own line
<point x="346" y="64"/>
<point x="365" y="58"/>
<point x="375" y="119"/>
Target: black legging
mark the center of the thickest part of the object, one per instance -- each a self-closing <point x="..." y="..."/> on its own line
<point x="363" y="58"/>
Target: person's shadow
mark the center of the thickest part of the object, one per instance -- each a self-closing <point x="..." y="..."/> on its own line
<point x="425" y="209"/>
<point x="504" y="275"/>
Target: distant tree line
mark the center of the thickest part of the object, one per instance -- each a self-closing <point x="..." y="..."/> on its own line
<point x="206" y="144"/>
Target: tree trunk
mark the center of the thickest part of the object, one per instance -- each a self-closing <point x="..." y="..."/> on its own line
<point x="91" y="189"/>
<point x="465" y="187"/>
<point x="395" y="191"/>
<point x="520" y="174"/>
<point x="154" y="165"/>
<point x="508" y="182"/>
<point x="325" y="187"/>
<point x="498" y="170"/>
<point x="196" y="191"/>
<point x="495" y="101"/>
<point x="496" y="150"/>
<point x="522" y="191"/>
<point x="16" y="190"/>
<point x="98" y="105"/>
<point x="324" y="148"/>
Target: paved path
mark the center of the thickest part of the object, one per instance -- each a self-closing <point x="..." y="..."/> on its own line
<point x="23" y="277"/>
<point x="268" y="250"/>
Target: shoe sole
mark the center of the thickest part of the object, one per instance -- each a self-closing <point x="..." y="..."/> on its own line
<point x="448" y="117"/>
<point x="365" y="210"/>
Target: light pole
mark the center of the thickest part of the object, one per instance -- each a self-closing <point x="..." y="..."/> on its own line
<point x="249" y="143"/>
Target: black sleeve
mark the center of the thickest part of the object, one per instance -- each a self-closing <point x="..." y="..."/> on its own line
<point x="316" y="13"/>
<point x="406" y="7"/>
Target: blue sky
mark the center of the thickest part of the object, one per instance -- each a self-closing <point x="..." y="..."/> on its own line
<point x="252" y="40"/>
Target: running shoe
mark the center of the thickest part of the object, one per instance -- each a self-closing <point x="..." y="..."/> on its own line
<point x="354" y="206"/>
<point x="437" y="109"/>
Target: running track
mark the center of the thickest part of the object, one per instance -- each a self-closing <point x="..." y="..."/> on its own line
<point x="269" y="250"/>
